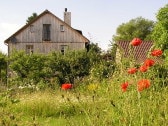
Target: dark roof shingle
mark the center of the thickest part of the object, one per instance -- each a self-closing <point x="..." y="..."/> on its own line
<point x="139" y="52"/>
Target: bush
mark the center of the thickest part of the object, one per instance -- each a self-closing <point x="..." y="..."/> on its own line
<point x="44" y="68"/>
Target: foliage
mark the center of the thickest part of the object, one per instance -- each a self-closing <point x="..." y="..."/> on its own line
<point x="69" y="66"/>
<point x="113" y="50"/>
<point x="31" y="18"/>
<point x="94" y="48"/>
<point x="161" y="72"/>
<point x="53" y="68"/>
<point x="160" y="38"/>
<point x="160" y="32"/>
<point x="3" y="67"/>
<point x="102" y="70"/>
<point x="102" y="101"/>
<point x="138" y="27"/>
<point x="28" y="66"/>
<point x="3" y="60"/>
<point x="80" y="64"/>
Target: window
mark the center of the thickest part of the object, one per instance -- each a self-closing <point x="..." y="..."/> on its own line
<point x="31" y="28"/>
<point x="62" y="28"/>
<point x="29" y="49"/>
<point x="63" y="49"/>
<point x="46" y="32"/>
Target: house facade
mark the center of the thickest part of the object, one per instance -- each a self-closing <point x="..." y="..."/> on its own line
<point x="47" y="33"/>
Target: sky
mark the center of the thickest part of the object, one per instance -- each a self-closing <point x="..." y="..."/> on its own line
<point x="98" y="19"/>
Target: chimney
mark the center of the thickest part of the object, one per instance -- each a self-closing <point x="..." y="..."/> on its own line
<point x="67" y="17"/>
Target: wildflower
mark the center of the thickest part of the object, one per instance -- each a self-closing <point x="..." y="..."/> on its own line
<point x="136" y="42"/>
<point x="66" y="86"/>
<point x="92" y="87"/>
<point x="149" y="62"/>
<point x="156" y="52"/>
<point x="143" y="84"/>
<point x="124" y="86"/>
<point x="143" y="68"/>
<point x="132" y="70"/>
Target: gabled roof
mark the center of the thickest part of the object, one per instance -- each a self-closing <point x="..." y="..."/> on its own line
<point x="139" y="52"/>
<point x="39" y="16"/>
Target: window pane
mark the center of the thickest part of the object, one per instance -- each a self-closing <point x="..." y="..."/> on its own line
<point x="46" y="32"/>
<point x="61" y="27"/>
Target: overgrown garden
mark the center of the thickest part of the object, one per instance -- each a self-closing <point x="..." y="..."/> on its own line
<point x="104" y="92"/>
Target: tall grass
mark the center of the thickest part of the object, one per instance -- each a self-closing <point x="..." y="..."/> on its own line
<point x="101" y="106"/>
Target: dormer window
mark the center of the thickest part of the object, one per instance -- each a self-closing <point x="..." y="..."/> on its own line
<point x="46" y="32"/>
<point x="62" y="28"/>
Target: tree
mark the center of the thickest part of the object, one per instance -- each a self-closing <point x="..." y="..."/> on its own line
<point x="138" y="27"/>
<point x="94" y="53"/>
<point x="160" y="32"/>
<point x="29" y="19"/>
<point x="3" y="67"/>
<point x="160" y="38"/>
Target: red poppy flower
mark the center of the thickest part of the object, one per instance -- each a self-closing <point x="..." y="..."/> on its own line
<point x="143" y="84"/>
<point x="156" y="52"/>
<point x="124" y="86"/>
<point x="66" y="86"/>
<point x="132" y="70"/>
<point x="149" y="62"/>
<point x="136" y="42"/>
<point x="143" y="68"/>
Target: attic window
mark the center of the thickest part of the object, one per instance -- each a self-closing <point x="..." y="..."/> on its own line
<point x="62" y="28"/>
<point x="46" y="32"/>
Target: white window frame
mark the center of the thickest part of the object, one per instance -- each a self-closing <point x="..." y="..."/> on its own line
<point x="62" y="28"/>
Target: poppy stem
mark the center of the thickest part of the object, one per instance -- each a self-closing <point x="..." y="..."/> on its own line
<point x="140" y="109"/>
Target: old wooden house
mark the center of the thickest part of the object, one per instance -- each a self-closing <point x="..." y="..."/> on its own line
<point x="47" y="33"/>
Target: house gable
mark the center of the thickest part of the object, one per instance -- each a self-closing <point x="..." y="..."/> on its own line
<point x="32" y="32"/>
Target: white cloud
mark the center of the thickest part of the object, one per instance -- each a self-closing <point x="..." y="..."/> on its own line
<point x="6" y="30"/>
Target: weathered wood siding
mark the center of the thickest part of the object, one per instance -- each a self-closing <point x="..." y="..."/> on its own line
<point x="32" y="35"/>
<point x="45" y="47"/>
